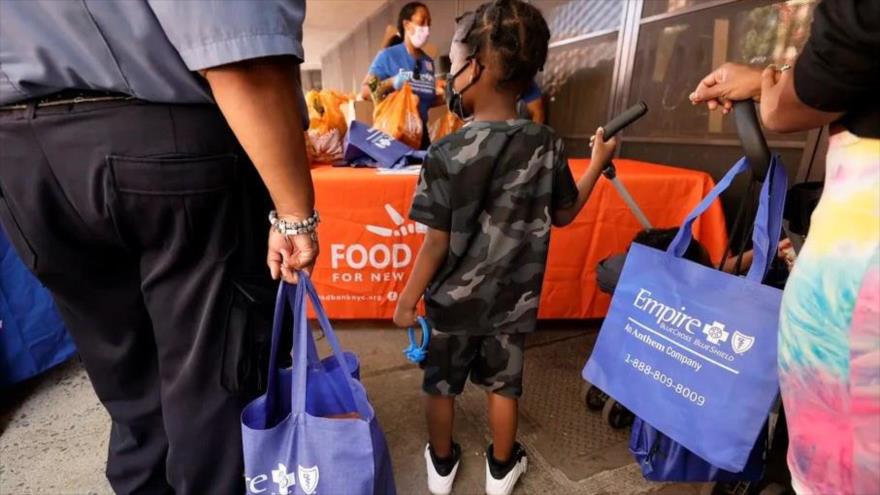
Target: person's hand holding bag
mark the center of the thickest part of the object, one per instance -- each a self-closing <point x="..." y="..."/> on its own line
<point x="400" y="79"/>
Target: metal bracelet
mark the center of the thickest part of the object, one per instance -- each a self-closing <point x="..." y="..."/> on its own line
<point x="289" y="228"/>
<point x="779" y="67"/>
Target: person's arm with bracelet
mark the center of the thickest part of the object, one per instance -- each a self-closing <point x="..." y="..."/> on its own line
<point x="274" y="141"/>
<point x="254" y="77"/>
<point x="836" y="72"/>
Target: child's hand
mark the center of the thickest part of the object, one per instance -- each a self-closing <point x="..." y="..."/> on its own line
<point x="602" y="150"/>
<point x="405" y="316"/>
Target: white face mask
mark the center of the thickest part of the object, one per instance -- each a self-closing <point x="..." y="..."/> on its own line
<point x="419" y="35"/>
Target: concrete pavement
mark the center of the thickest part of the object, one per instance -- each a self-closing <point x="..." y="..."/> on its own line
<point x="54" y="430"/>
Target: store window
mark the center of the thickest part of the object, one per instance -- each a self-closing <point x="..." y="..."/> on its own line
<point x="673" y="54"/>
<point x="578" y="76"/>
<point x="577" y="85"/>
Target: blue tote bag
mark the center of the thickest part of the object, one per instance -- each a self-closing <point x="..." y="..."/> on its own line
<point x="314" y="431"/>
<point x="692" y="350"/>
<point x="366" y="145"/>
<point x="662" y="459"/>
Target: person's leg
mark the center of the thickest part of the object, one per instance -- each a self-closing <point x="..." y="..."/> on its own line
<point x="503" y="420"/>
<point x="440" y="415"/>
<point x="52" y="210"/>
<point x="180" y="211"/>
<point x="446" y="370"/>
<point x="499" y="371"/>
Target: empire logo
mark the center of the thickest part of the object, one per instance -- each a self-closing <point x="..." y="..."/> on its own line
<point x="285" y="481"/>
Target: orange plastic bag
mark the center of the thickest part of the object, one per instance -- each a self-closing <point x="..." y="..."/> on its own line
<point x="325" y="138"/>
<point x="398" y="116"/>
<point x="447" y="124"/>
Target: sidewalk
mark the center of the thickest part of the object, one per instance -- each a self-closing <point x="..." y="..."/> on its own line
<point x="54" y="431"/>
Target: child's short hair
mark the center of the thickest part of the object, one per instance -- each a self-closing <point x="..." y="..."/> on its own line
<point x="662" y="238"/>
<point x="517" y="34"/>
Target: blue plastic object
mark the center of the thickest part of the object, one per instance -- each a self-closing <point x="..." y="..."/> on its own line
<point x="416" y="353"/>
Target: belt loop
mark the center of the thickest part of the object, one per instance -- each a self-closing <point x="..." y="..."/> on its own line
<point x="31" y="109"/>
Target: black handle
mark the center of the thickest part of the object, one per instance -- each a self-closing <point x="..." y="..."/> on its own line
<point x="614" y="126"/>
<point x="753" y="143"/>
<point x="624" y="119"/>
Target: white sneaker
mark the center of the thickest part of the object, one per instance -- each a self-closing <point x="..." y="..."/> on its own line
<point x="437" y="483"/>
<point x="505" y="484"/>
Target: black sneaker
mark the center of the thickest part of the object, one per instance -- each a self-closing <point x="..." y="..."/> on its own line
<point x="501" y="478"/>
<point x="441" y="473"/>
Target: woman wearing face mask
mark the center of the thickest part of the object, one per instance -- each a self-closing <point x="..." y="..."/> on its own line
<point x="403" y="61"/>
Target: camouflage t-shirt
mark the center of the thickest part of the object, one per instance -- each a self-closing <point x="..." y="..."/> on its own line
<point x="492" y="186"/>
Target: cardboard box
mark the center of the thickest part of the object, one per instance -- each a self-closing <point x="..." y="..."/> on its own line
<point x="362" y="111"/>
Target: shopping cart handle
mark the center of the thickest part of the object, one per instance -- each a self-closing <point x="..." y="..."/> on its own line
<point x="614" y="126"/>
<point x="624" y="119"/>
<point x="753" y="143"/>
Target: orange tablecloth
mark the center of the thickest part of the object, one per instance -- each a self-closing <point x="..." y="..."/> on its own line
<point x="368" y="245"/>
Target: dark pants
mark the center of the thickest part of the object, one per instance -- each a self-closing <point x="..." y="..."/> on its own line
<point x="129" y="213"/>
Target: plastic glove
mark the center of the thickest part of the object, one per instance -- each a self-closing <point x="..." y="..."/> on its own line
<point x="401" y="78"/>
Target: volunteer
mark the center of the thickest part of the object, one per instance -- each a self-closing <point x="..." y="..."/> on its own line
<point x="125" y="134"/>
<point x="531" y="104"/>
<point x="404" y="61"/>
<point x="829" y="345"/>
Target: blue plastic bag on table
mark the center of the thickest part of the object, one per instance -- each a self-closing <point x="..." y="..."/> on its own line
<point x="662" y="459"/>
<point x="314" y="431"/>
<point x="692" y="350"/>
<point x="365" y="146"/>
<point x="32" y="336"/>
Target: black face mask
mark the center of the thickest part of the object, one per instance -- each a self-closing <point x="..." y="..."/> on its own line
<point x="453" y="98"/>
<point x="464" y="26"/>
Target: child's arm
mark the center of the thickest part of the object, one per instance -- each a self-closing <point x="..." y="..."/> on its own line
<point x="430" y="257"/>
<point x="601" y="155"/>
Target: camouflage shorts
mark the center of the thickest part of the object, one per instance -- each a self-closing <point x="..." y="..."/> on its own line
<point x="494" y="362"/>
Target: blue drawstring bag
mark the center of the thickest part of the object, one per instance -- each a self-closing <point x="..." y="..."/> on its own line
<point x="32" y="336"/>
<point x="314" y="431"/>
<point x="662" y="459"/>
<point x="692" y="350"/>
<point x="367" y="146"/>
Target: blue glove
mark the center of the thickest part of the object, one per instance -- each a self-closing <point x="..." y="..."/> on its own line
<point x="401" y="78"/>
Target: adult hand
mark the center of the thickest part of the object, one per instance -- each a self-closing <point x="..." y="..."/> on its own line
<point x="785" y="252"/>
<point x="405" y="316"/>
<point x="726" y="84"/>
<point x="287" y="254"/>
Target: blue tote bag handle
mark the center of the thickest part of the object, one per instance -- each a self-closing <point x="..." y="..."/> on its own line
<point x="301" y="335"/>
<point x="768" y="221"/>
<point x="282" y="299"/>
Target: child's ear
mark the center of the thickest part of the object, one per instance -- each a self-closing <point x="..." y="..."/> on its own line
<point x="477" y="69"/>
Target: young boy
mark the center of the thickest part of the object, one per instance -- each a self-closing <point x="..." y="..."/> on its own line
<point x="488" y="194"/>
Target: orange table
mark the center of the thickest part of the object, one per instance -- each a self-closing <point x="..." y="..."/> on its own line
<point x="368" y="245"/>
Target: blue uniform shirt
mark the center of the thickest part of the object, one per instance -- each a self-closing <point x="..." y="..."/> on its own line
<point x="395" y="59"/>
<point x="145" y="48"/>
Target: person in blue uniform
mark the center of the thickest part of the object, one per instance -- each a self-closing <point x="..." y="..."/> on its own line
<point x="404" y="61"/>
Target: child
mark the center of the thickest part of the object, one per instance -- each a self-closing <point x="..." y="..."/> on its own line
<point x="488" y="194"/>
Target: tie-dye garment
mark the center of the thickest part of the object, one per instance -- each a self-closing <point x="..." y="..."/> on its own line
<point x="829" y="348"/>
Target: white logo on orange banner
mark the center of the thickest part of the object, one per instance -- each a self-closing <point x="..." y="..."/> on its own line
<point x="400" y="230"/>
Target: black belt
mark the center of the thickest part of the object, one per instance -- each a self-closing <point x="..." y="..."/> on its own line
<point x="69" y="97"/>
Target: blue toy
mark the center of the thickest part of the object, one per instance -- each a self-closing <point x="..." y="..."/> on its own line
<point x="416" y="353"/>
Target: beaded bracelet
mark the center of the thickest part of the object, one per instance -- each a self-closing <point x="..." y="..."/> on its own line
<point x="288" y="228"/>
